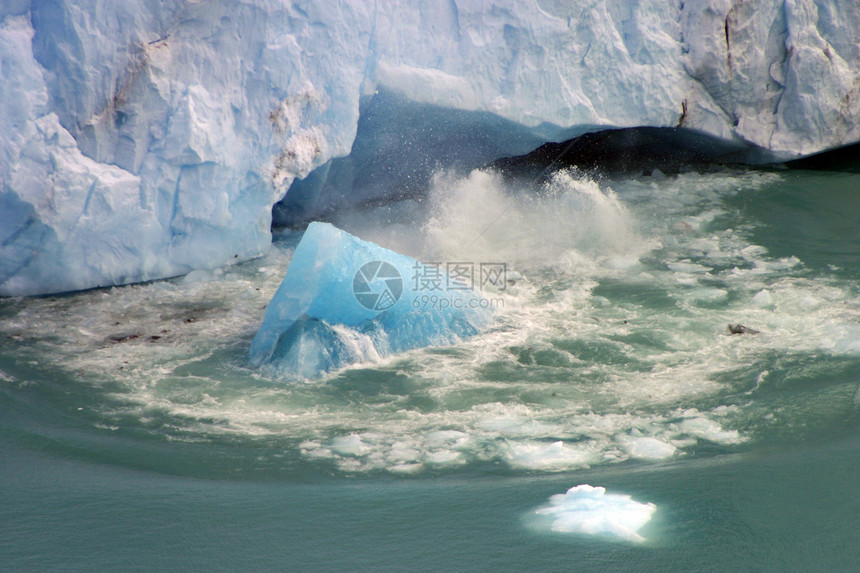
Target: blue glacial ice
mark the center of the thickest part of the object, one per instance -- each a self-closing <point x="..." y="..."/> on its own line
<point x="344" y="300"/>
<point x="591" y="511"/>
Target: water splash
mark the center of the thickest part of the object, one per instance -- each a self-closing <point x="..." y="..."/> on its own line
<point x="607" y="350"/>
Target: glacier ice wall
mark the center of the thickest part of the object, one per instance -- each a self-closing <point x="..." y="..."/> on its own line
<point x="141" y="140"/>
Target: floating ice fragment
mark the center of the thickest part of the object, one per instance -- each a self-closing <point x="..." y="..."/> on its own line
<point x="688" y="267"/>
<point x="592" y="511"/>
<point x="709" y="430"/>
<point x="445" y="457"/>
<point x="555" y="456"/>
<point x="351" y="445"/>
<point x="754" y="251"/>
<point x="446" y="437"/>
<point x="763" y="298"/>
<point x="406" y="468"/>
<point x="647" y="448"/>
<point x="344" y="300"/>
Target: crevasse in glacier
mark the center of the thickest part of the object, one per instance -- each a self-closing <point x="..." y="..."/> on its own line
<point x="344" y="300"/>
<point x="141" y="139"/>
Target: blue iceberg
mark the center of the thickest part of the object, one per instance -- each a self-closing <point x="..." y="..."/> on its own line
<point x="344" y="300"/>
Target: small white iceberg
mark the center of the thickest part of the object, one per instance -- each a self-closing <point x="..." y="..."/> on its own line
<point x="590" y="510"/>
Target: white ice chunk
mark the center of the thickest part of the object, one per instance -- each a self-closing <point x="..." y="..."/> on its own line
<point x="550" y="456"/>
<point x="763" y="298"/>
<point x="688" y="267"/>
<point x="647" y="448"/>
<point x="591" y="511"/>
<point x="710" y="430"/>
<point x="351" y="445"/>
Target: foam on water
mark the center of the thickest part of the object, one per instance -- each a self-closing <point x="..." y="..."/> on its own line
<point x="612" y="344"/>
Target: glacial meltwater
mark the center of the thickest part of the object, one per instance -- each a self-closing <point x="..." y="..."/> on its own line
<point x="608" y="418"/>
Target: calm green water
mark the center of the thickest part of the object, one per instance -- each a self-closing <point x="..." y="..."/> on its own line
<point x="134" y="436"/>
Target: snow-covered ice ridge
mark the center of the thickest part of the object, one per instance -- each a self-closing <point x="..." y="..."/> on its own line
<point x="141" y="140"/>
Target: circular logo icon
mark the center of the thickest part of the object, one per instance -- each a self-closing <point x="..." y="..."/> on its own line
<point x="377" y="285"/>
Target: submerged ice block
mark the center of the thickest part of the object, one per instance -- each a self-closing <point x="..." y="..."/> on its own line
<point x="344" y="300"/>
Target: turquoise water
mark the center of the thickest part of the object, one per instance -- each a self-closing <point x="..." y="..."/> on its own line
<point x="135" y="437"/>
